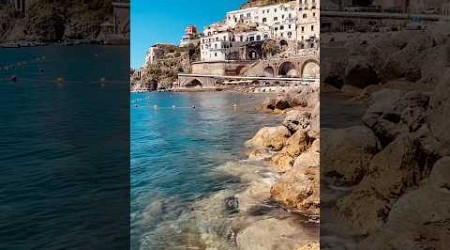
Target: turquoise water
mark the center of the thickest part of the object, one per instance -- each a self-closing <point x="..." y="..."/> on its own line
<point x="64" y="148"/>
<point x="176" y="148"/>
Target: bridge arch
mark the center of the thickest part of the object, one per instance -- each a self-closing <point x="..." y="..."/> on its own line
<point x="193" y="83"/>
<point x="269" y="71"/>
<point x="310" y="69"/>
<point x="287" y="69"/>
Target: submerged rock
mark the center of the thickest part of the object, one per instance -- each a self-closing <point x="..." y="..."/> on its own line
<point x="272" y="234"/>
<point x="231" y="205"/>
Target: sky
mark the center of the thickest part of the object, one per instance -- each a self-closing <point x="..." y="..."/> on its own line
<point x="164" y="21"/>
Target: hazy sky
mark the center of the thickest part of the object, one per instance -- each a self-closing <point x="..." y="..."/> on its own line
<point x="165" y="20"/>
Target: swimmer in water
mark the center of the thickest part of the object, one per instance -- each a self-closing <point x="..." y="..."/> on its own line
<point x="193" y="106"/>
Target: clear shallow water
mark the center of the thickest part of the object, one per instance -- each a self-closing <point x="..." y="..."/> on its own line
<point x="175" y="151"/>
<point x="64" y="148"/>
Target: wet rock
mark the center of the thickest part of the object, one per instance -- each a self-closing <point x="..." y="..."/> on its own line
<point x="231" y="205"/>
<point x="259" y="154"/>
<point x="346" y="154"/>
<point x="270" y="137"/>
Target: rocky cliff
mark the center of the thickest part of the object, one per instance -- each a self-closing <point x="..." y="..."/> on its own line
<point x="164" y="72"/>
<point x="52" y="21"/>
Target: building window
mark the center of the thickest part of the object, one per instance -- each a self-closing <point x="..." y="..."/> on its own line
<point x="275" y="10"/>
<point x="241" y="38"/>
<point x="258" y="38"/>
<point x="281" y="27"/>
<point x="314" y="14"/>
<point x="282" y="16"/>
<point x="266" y="36"/>
<point x="215" y="46"/>
<point x="305" y="16"/>
<point x="290" y="26"/>
<point x="264" y="11"/>
<point x="312" y="27"/>
<point x="215" y="54"/>
<point x="290" y="15"/>
<point x="248" y="15"/>
<point x="252" y="38"/>
<point x="217" y="39"/>
<point x="276" y="28"/>
<point x="264" y="20"/>
<point x="268" y="11"/>
<point x="281" y="34"/>
<point x="303" y="29"/>
<point x="289" y="34"/>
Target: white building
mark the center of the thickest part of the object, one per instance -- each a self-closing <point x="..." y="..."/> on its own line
<point x="290" y="22"/>
<point x="308" y="23"/>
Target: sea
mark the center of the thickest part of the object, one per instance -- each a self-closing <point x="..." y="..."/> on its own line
<point x="64" y="147"/>
<point x="177" y="142"/>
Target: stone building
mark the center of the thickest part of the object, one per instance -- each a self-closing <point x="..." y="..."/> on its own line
<point x="190" y="37"/>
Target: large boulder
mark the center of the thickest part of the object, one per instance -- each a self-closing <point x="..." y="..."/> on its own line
<point x="393" y="112"/>
<point x="311" y="157"/>
<point x="391" y="172"/>
<point x="359" y="73"/>
<point x="295" y="145"/>
<point x="270" y="137"/>
<point x="298" y="190"/>
<point x="438" y="117"/>
<point x="420" y="218"/>
<point x="296" y="119"/>
<point x="346" y="154"/>
<point x="279" y="102"/>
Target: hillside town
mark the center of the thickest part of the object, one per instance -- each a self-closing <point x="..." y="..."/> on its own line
<point x="253" y="41"/>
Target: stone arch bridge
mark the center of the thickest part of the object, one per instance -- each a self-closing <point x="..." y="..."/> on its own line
<point x="302" y="70"/>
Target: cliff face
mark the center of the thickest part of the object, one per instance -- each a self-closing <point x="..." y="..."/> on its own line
<point x="50" y="21"/>
<point x="259" y="3"/>
<point x="164" y="72"/>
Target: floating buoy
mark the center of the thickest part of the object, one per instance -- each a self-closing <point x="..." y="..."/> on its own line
<point x="173" y="106"/>
<point x="60" y="80"/>
<point x="155" y="106"/>
<point x="13" y="78"/>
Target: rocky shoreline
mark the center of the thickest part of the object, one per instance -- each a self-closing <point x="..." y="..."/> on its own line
<point x="386" y="182"/>
<point x="275" y="202"/>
